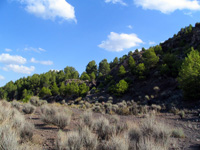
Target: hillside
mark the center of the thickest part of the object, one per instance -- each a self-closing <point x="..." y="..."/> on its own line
<point x="148" y="76"/>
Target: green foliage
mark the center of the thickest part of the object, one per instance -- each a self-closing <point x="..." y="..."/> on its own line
<point x="164" y="69"/>
<point x="141" y="70"/>
<point x="45" y="92"/>
<point x="54" y="89"/>
<point x="150" y="58"/>
<point x="91" y="67"/>
<point x="132" y="64"/>
<point x="121" y="59"/>
<point x="83" y="89"/>
<point x="92" y="76"/>
<point x="71" y="73"/>
<point x="104" y="67"/>
<point x="72" y="89"/>
<point x="62" y="89"/>
<point x="121" y="87"/>
<point x="85" y="76"/>
<point x="189" y="76"/>
<point x="158" y="49"/>
<point x="121" y="71"/>
<point x="114" y="63"/>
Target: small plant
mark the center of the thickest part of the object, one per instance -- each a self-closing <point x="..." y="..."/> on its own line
<point x="87" y="119"/>
<point x="28" y="108"/>
<point x="178" y="133"/>
<point x="182" y="114"/>
<point x="103" y="129"/>
<point x="26" y="132"/>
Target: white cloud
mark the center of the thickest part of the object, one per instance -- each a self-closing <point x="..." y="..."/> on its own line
<point x="12" y="59"/>
<point x="2" y="77"/>
<point x="37" y="50"/>
<point x="19" y="68"/>
<point x="152" y="43"/>
<point x="168" y="6"/>
<point x="116" y="1"/>
<point x="130" y="26"/>
<point x="119" y="42"/>
<point x="8" y="50"/>
<point x="50" y="9"/>
<point x="33" y="60"/>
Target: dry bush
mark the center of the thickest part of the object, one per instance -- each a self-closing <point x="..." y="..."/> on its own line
<point x="18" y="119"/>
<point x="88" y="139"/>
<point x="16" y="105"/>
<point x="28" y="108"/>
<point x="8" y="138"/>
<point x="115" y="143"/>
<point x="35" y="100"/>
<point x="87" y="119"/>
<point x="26" y="132"/>
<point x="103" y="129"/>
<point x="69" y="141"/>
<point x="58" y="116"/>
<point x="114" y="119"/>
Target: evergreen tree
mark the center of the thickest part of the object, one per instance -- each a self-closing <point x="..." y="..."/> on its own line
<point x="189" y="76"/>
<point x="114" y="63"/>
<point x="104" y="67"/>
<point x="62" y="89"/>
<point x="83" y="89"/>
<point x="121" y="87"/>
<point x="92" y="76"/>
<point x="54" y="89"/>
<point x="91" y="67"/>
<point x="45" y="92"/>
<point x="71" y="73"/>
<point x="121" y="71"/>
<point x="85" y="76"/>
<point x="150" y="58"/>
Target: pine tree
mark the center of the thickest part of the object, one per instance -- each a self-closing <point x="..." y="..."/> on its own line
<point x="189" y="76"/>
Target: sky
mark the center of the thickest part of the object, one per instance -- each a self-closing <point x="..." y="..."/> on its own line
<point x="41" y="35"/>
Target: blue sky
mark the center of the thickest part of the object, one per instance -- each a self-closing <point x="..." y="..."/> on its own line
<point x="39" y="35"/>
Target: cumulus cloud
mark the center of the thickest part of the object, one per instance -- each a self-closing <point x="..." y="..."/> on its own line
<point x="19" y="68"/>
<point x="37" y="50"/>
<point x="130" y="26"/>
<point x="33" y="60"/>
<point x="8" y="50"/>
<point x="168" y="6"/>
<point x="152" y="43"/>
<point x="119" y="42"/>
<point x="116" y="1"/>
<point x="12" y="59"/>
<point x="2" y="77"/>
<point x="50" y="9"/>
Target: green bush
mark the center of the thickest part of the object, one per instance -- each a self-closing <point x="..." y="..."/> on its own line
<point x="189" y="76"/>
<point x="45" y="92"/>
<point x="150" y="58"/>
<point x="121" y="71"/>
<point x="121" y="87"/>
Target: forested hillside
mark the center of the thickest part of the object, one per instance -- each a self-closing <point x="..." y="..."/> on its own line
<point x="169" y="71"/>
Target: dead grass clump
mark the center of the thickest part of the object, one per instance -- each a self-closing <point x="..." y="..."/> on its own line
<point x="8" y="138"/>
<point x="58" y="116"/>
<point x="26" y="132"/>
<point x="116" y="143"/>
<point x="16" y="105"/>
<point x="35" y="100"/>
<point x="87" y="119"/>
<point x="28" y="108"/>
<point x="88" y="139"/>
<point x="103" y="129"/>
<point x="69" y="141"/>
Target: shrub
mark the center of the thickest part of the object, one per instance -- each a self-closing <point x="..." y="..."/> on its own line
<point x="57" y="116"/>
<point x="103" y="129"/>
<point x="71" y="141"/>
<point x="26" y="131"/>
<point x="189" y="76"/>
<point x="28" y="108"/>
<point x="87" y="119"/>
<point x="121" y="71"/>
<point x="150" y="58"/>
<point x="178" y="133"/>
<point x="35" y="101"/>
<point x="116" y="143"/>
<point x="16" y="105"/>
<point x="121" y="87"/>
<point x="88" y="139"/>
